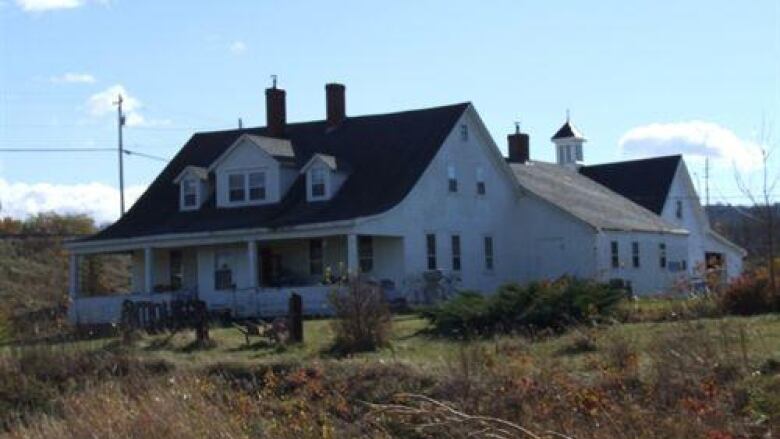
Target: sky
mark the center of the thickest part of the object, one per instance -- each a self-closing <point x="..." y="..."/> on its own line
<point x="640" y="79"/>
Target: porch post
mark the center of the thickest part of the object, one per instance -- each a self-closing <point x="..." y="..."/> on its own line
<point x="352" y="254"/>
<point x="73" y="276"/>
<point x="148" y="270"/>
<point x="251" y="257"/>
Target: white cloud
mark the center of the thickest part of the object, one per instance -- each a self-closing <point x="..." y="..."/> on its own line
<point x="73" y="78"/>
<point x="694" y="139"/>
<point x="237" y="47"/>
<point x="98" y="200"/>
<point x="101" y="104"/>
<point x="48" y="5"/>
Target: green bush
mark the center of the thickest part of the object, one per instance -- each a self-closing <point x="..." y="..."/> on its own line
<point x="538" y="305"/>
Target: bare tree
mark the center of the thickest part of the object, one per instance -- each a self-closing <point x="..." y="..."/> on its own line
<point x="763" y="202"/>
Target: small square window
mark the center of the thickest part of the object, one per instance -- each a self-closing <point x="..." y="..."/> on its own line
<point x="236" y="189"/>
<point x="464" y="132"/>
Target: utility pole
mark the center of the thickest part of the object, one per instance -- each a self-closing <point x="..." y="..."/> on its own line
<point x="706" y="181"/>
<point x="121" y="124"/>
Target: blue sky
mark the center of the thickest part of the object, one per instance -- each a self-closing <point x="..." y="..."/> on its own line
<point x="640" y="78"/>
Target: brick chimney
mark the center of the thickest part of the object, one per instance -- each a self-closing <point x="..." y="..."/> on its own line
<point x="275" y="111"/>
<point x="518" y="145"/>
<point x="335" y="105"/>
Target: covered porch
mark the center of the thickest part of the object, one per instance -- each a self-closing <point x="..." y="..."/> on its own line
<point x="246" y="278"/>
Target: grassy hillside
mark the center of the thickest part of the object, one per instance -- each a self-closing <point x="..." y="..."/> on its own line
<point x="710" y="378"/>
<point x="34" y="270"/>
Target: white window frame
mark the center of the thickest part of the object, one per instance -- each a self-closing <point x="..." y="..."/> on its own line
<point x="183" y="195"/>
<point x="481" y="187"/>
<point x="246" y="175"/>
<point x="310" y="183"/>
<point x="457" y="252"/>
<point x="230" y="188"/>
<point x="263" y="186"/>
<point x="229" y="258"/>
<point x="452" y="179"/>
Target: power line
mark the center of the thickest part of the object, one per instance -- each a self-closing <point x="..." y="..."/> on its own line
<point x="148" y="156"/>
<point x="55" y="149"/>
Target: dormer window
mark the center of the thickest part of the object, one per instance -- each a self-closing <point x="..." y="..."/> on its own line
<point x="236" y="190"/>
<point x="189" y="193"/>
<point x="317" y="183"/>
<point x="257" y="190"/>
<point x="247" y="187"/>
<point x="193" y="187"/>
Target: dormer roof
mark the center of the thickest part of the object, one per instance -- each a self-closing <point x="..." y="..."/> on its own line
<point x="333" y="163"/>
<point x="196" y="171"/>
<point x="280" y="150"/>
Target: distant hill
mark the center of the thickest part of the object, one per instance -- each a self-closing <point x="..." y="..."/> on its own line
<point x="740" y="225"/>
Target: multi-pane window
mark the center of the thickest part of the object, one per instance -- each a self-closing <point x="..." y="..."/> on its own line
<point x="452" y="179"/>
<point x="236" y="187"/>
<point x="317" y="183"/>
<point x="489" y="253"/>
<point x="578" y="148"/>
<point x="615" y="254"/>
<point x="176" y="269"/>
<point x="455" y="242"/>
<point x="464" y="132"/>
<point x="315" y="256"/>
<point x="430" y="248"/>
<point x="366" y="253"/>
<point x="223" y="271"/>
<point x="662" y="255"/>
<point x="257" y="186"/>
<point x="480" y="181"/>
<point x="189" y="192"/>
<point x="635" y="254"/>
<point x="678" y="209"/>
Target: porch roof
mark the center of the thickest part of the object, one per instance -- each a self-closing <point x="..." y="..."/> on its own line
<point x="387" y="153"/>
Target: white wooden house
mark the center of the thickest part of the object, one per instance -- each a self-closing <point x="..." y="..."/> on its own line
<point x="242" y="218"/>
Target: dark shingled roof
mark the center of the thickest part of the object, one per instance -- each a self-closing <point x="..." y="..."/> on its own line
<point x="587" y="200"/>
<point x="645" y="182"/>
<point x="566" y="131"/>
<point x="387" y="154"/>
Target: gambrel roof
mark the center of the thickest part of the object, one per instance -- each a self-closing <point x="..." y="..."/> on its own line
<point x="387" y="154"/>
<point x="587" y="200"/>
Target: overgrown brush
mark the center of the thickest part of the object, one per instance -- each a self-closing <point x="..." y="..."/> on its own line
<point x="538" y="305"/>
<point x="362" y="318"/>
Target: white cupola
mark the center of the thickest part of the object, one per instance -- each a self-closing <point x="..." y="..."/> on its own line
<point x="568" y="145"/>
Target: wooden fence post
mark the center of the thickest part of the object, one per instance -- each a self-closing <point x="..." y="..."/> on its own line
<point x="295" y="317"/>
